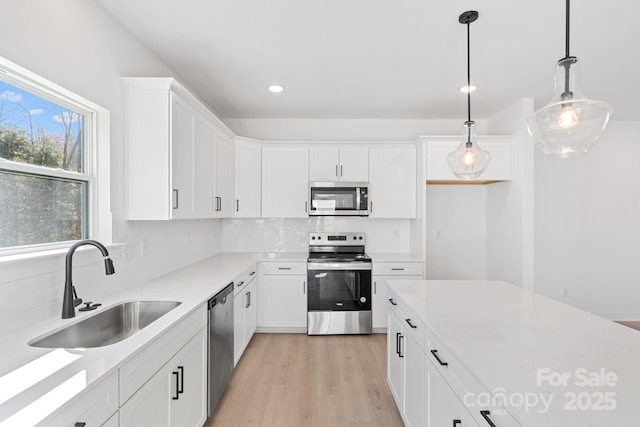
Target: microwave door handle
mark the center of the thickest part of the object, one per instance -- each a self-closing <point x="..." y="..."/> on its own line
<point x="358" y="205"/>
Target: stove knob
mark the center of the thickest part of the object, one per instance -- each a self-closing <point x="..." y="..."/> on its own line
<point x="319" y="238"/>
<point x="354" y="237"/>
<point x="360" y="237"/>
<point x="363" y="300"/>
<point x="313" y="237"/>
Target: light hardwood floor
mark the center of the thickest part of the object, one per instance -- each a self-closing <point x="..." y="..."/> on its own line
<point x="320" y="381"/>
<point x="631" y="324"/>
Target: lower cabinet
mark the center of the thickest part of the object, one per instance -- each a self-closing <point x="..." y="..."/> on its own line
<point x="381" y="272"/>
<point x="283" y="296"/>
<point x="445" y="409"/>
<point x="244" y="318"/>
<point x="176" y="394"/>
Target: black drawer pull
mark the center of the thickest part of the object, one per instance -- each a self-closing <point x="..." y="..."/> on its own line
<point x="80" y="424"/>
<point x="411" y="324"/>
<point x="400" y="353"/>
<point x="435" y="354"/>
<point x="252" y="273"/>
<point x="485" y="415"/>
<point x="392" y="301"/>
<point x="177" y="396"/>
<point x="284" y="268"/>
<point x="397" y="269"/>
<point x="456" y="422"/>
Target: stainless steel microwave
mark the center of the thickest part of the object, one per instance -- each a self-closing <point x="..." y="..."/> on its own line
<point x="338" y="198"/>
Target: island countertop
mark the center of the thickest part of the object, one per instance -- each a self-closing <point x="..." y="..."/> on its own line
<point x="516" y="342"/>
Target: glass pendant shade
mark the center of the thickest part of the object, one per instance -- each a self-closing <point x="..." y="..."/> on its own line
<point x="468" y="161"/>
<point x="570" y="124"/>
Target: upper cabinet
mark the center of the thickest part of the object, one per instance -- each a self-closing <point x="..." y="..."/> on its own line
<point x="438" y="148"/>
<point x="179" y="155"/>
<point x="285" y="182"/>
<point x="332" y="163"/>
<point x="248" y="167"/>
<point x="392" y="182"/>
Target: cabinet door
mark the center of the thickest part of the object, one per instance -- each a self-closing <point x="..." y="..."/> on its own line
<point x="354" y="164"/>
<point x="238" y="326"/>
<point x="395" y="359"/>
<point x="285" y="182"/>
<point x="251" y="312"/>
<point x="205" y="157"/>
<point x="284" y="301"/>
<point x="414" y="383"/>
<point x="324" y="164"/>
<point x="224" y="165"/>
<point x="392" y="182"/>
<point x="149" y="406"/>
<point x="182" y="164"/>
<point x="444" y="406"/>
<point x="188" y="378"/>
<point x="380" y="299"/>
<point x="247" y="173"/>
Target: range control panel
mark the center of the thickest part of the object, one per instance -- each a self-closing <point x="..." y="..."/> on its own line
<point x="336" y="239"/>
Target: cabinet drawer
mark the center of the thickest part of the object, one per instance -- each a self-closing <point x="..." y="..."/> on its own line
<point x="244" y="279"/>
<point x="93" y="407"/>
<point x="397" y="268"/>
<point x="292" y="267"/>
<point x="463" y="382"/>
<point x="142" y="366"/>
<point x="412" y="325"/>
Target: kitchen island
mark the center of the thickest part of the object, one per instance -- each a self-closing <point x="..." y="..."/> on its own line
<point x="490" y="352"/>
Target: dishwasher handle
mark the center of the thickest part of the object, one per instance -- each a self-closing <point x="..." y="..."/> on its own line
<point x="221" y="297"/>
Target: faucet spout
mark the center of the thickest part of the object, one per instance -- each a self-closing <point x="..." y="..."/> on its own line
<point x="70" y="297"/>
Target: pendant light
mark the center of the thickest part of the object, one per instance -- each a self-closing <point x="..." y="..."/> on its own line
<point x="570" y="124"/>
<point x="468" y="161"/>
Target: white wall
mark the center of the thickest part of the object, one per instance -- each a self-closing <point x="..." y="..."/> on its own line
<point x="587" y="225"/>
<point x="292" y="235"/>
<point x="510" y="204"/>
<point x="456" y="232"/>
<point x="76" y="44"/>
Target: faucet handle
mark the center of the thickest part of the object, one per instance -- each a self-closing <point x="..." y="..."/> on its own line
<point x="89" y="307"/>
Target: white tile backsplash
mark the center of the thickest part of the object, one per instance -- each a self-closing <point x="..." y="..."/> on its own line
<point x="291" y="235"/>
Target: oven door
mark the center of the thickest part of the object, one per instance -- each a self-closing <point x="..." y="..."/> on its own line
<point x="339" y="286"/>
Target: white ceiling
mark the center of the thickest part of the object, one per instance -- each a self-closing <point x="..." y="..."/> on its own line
<point x="385" y="58"/>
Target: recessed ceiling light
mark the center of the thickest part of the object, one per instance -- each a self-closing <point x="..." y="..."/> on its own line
<point x="276" y="88"/>
<point x="465" y="89"/>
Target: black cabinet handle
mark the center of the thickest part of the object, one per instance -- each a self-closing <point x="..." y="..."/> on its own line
<point x="248" y="295"/>
<point x="485" y="415"/>
<point x="181" y="390"/>
<point x="400" y="347"/>
<point x="398" y="343"/>
<point x="397" y="269"/>
<point x="392" y="301"/>
<point x="177" y="396"/>
<point x="411" y="324"/>
<point x="175" y="199"/>
<point x="80" y="424"/>
<point x="284" y="268"/>
<point x="252" y="273"/>
<point x="435" y="354"/>
<point x="456" y="422"/>
<point x="237" y="205"/>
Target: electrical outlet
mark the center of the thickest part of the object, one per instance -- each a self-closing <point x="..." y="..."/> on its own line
<point x="144" y="247"/>
<point x="565" y="293"/>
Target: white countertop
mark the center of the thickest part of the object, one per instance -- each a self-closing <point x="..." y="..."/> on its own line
<point x="27" y="374"/>
<point x="504" y="335"/>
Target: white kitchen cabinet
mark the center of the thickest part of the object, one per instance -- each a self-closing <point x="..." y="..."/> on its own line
<point x="332" y="163"/>
<point x="172" y="141"/>
<point x="244" y="314"/>
<point x="176" y="394"/>
<point x="406" y="366"/>
<point x="445" y="408"/>
<point x="285" y="182"/>
<point x="392" y="182"/>
<point x="283" y="296"/>
<point x="224" y="172"/>
<point x="499" y="168"/>
<point x="247" y="172"/>
<point x="205" y="157"/>
<point x="95" y="407"/>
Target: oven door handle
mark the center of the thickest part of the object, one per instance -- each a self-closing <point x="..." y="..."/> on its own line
<point x="339" y="266"/>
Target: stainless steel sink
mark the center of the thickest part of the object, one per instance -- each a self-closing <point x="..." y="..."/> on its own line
<point x="108" y="327"/>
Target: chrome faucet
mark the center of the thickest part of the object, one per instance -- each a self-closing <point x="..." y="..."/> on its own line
<point x="70" y="299"/>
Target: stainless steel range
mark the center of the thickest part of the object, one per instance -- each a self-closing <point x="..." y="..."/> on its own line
<point x="339" y="284"/>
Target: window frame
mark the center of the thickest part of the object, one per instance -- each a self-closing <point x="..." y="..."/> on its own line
<point x="96" y="153"/>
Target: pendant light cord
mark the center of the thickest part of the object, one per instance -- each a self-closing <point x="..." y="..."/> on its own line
<point x="567" y="32"/>
<point x="567" y="94"/>
<point x="469" y="72"/>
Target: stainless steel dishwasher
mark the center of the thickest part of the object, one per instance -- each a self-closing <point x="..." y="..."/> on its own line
<point x="220" y="345"/>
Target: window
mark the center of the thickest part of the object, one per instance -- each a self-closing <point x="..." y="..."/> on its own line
<point x="48" y="165"/>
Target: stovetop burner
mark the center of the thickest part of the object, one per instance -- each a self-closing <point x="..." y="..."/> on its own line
<point x="337" y="247"/>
